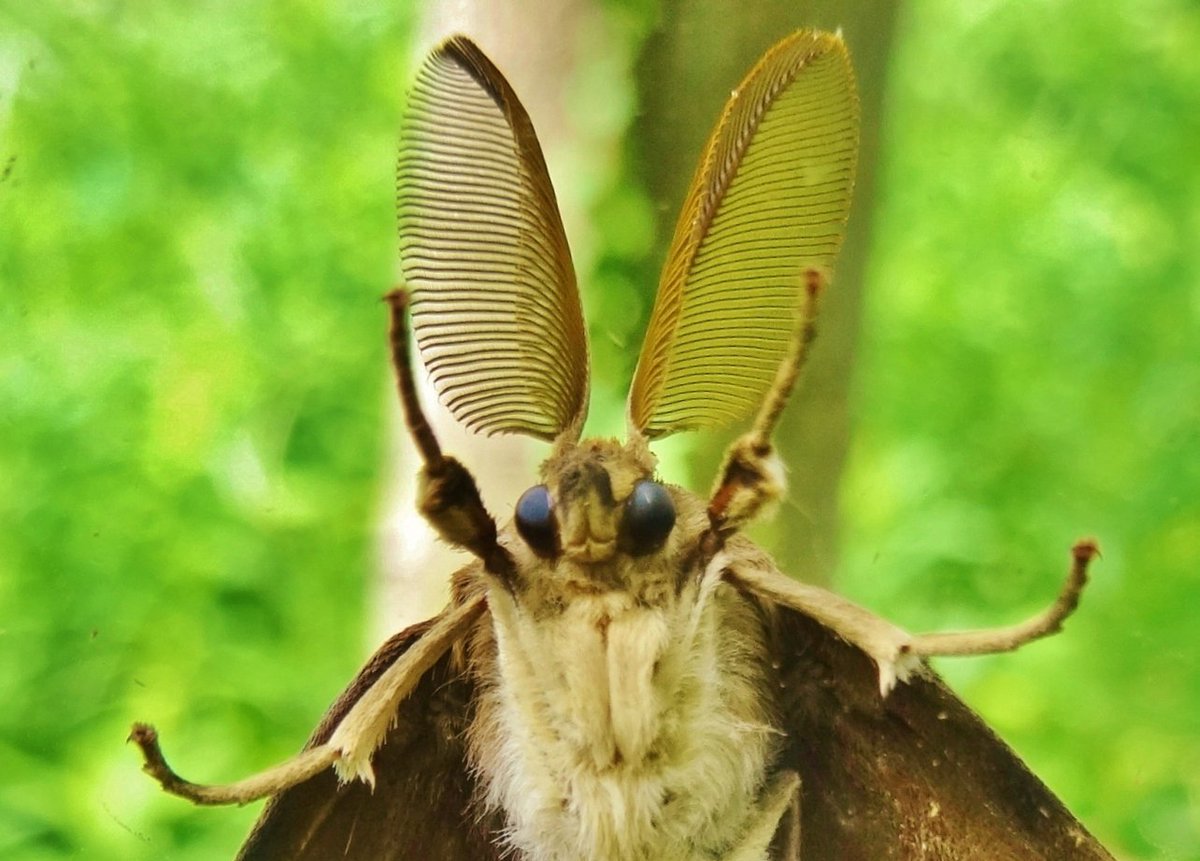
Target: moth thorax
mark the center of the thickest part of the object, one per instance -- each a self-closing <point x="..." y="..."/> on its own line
<point x="626" y="730"/>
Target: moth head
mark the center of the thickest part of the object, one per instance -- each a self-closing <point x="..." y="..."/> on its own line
<point x="598" y="500"/>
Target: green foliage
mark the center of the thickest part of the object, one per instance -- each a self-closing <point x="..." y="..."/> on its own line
<point x="196" y="225"/>
<point x="1030" y="373"/>
<point x="195" y="229"/>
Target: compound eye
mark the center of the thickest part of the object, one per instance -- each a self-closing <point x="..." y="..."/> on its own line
<point x="536" y="522"/>
<point x="649" y="517"/>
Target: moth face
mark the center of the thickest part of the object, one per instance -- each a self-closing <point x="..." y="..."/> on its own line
<point x="598" y="502"/>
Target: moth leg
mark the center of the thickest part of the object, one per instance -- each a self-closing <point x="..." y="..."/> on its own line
<point x="352" y="742"/>
<point x="897" y="653"/>
<point x="781" y="797"/>
<point x="362" y="730"/>
<point x="447" y="495"/>
<point x="1006" y="639"/>
<point x="886" y="644"/>
<point x="752" y="476"/>
<point x="274" y="780"/>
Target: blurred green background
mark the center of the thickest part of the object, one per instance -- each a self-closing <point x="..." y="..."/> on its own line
<point x="195" y="228"/>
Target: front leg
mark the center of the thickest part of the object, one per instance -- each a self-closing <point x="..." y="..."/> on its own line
<point x="351" y="744"/>
<point x="897" y="653"/>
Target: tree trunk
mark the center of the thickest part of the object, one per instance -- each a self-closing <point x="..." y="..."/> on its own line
<point x="688" y="70"/>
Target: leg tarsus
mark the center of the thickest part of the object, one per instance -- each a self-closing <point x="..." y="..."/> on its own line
<point x="993" y="640"/>
<point x="896" y="652"/>
<point x="448" y="496"/>
<point x="752" y="476"/>
<point x="353" y="741"/>
<point x="414" y="416"/>
<point x="270" y="782"/>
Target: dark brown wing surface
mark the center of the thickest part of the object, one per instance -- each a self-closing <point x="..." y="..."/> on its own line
<point x="915" y="776"/>
<point x="421" y="804"/>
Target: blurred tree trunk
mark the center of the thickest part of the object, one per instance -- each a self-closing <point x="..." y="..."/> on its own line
<point x="703" y="51"/>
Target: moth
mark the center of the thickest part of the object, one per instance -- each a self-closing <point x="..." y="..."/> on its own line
<point x="621" y="675"/>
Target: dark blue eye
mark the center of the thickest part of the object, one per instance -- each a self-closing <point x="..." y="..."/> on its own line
<point x="536" y="522"/>
<point x="649" y="517"/>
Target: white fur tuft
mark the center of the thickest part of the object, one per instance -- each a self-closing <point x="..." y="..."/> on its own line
<point x="627" y="730"/>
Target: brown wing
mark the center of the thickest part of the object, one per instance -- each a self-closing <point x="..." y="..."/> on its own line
<point x="421" y="806"/>
<point x="915" y="776"/>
